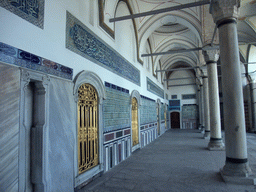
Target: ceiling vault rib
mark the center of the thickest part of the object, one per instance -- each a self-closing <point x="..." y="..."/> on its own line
<point x="181" y="85"/>
<point x="179" y="78"/>
<point x="178" y="69"/>
<point x="174" y="8"/>
<point x="179" y="51"/>
<point x="213" y="36"/>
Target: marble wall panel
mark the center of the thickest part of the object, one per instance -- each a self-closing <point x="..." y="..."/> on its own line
<point x="62" y="131"/>
<point x="9" y="127"/>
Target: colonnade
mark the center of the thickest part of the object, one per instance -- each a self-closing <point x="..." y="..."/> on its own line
<point x="236" y="168"/>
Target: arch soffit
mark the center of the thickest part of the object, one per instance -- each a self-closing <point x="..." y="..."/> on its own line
<point x="90" y="78"/>
<point x="134" y="27"/>
<point x="163" y="48"/>
<point x="158" y="20"/>
<point x="180" y="57"/>
<point x="135" y="94"/>
<point x="174" y="60"/>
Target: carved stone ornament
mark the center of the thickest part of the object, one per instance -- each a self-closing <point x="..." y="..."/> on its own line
<point x="46" y="79"/>
<point x="211" y="54"/>
<point x="25" y="76"/>
<point x="224" y="9"/>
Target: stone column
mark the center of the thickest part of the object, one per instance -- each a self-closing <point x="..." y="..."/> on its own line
<point x="202" y="106"/>
<point x="206" y="108"/>
<point x="211" y="57"/>
<point x="199" y="108"/>
<point x="225" y="14"/>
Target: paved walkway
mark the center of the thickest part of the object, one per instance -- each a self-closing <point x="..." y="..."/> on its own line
<point x="177" y="161"/>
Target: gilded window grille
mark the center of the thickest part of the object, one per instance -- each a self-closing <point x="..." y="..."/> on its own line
<point x="88" y="147"/>
<point x="135" y="126"/>
<point x="165" y="119"/>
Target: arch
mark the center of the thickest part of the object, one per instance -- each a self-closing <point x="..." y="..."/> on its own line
<point x="135" y="120"/>
<point x="135" y="94"/>
<point x="90" y="78"/>
<point x="87" y="77"/>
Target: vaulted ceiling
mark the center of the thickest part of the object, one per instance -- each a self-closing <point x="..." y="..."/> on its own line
<point x="181" y="29"/>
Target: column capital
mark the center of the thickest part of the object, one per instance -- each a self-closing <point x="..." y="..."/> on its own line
<point x="210" y="55"/>
<point x="224" y="9"/>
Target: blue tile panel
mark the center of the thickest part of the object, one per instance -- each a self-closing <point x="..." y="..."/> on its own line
<point x="189" y="111"/>
<point x="18" y="57"/>
<point x="154" y="88"/>
<point x="31" y="11"/>
<point x="116" y="108"/>
<point x="174" y="105"/>
<point x="84" y="42"/>
<point x="148" y="112"/>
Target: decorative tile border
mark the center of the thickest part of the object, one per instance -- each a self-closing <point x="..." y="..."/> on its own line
<point x="116" y="87"/>
<point x="148" y="126"/>
<point x="116" y="135"/>
<point x="12" y="55"/>
<point x="144" y="97"/>
<point x="31" y="11"/>
<point x="84" y="42"/>
<point x="154" y="88"/>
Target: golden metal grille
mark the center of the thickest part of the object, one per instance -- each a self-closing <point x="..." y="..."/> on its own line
<point x="135" y="127"/>
<point x="88" y="146"/>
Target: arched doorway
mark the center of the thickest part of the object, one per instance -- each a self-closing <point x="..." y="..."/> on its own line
<point x="135" y="126"/>
<point x="175" y="120"/>
<point x="88" y="144"/>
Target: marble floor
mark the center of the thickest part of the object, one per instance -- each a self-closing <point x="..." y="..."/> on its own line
<point x="176" y="161"/>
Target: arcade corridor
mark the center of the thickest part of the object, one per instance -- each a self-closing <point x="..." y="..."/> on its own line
<point x="176" y="161"/>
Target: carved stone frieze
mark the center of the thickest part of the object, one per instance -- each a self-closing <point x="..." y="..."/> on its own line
<point x="224" y="9"/>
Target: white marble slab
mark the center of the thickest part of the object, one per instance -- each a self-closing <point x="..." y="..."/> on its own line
<point x="62" y="132"/>
<point x="9" y="127"/>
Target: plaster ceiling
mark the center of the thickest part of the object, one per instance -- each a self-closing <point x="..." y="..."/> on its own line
<point x="175" y="29"/>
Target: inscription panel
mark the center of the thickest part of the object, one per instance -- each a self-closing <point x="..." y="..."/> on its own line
<point x="84" y="42"/>
<point x="154" y="88"/>
<point x="32" y="11"/>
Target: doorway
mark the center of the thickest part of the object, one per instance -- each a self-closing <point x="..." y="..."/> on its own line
<point x="175" y="120"/>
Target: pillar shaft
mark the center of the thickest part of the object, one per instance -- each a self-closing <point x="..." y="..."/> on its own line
<point x="214" y="101"/>
<point x="234" y="119"/>
<point x="202" y="105"/>
<point x="206" y="108"/>
<point x="225" y="13"/>
<point x="211" y="57"/>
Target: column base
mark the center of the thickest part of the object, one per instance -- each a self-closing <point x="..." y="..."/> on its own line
<point x="238" y="173"/>
<point x="216" y="144"/>
<point x="207" y="134"/>
<point x="239" y="168"/>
